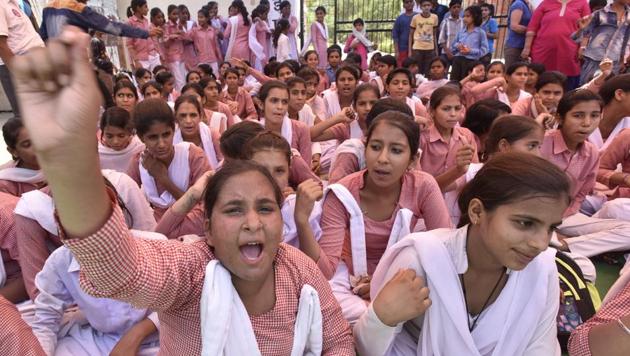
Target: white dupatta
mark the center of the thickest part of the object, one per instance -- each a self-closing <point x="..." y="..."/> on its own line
<point x="206" y="141"/>
<point x="289" y="231"/>
<point x="361" y="37"/>
<point x="38" y="206"/>
<point x="10" y="171"/>
<point x="353" y="146"/>
<point x="401" y="228"/>
<point x="234" y="27"/>
<point x="310" y="38"/>
<point x="119" y="160"/>
<point x="257" y="48"/>
<point x="178" y="172"/>
<point x="517" y="311"/>
<point x="286" y="130"/>
<point x="227" y="330"/>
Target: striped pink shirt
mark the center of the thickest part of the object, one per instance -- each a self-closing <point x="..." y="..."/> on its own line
<point x="168" y="277"/>
<point x="419" y="193"/>
<point x="581" y="166"/>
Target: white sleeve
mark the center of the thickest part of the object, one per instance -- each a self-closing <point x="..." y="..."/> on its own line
<point x="51" y="302"/>
<point x="371" y="336"/>
<point x="545" y="341"/>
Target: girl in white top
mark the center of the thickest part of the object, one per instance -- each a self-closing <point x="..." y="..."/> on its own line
<point x="281" y="41"/>
<point x="491" y="279"/>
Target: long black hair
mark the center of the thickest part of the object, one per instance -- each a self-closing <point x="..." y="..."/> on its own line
<point x="240" y="6"/>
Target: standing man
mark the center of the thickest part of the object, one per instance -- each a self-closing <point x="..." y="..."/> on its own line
<point x="17" y="36"/>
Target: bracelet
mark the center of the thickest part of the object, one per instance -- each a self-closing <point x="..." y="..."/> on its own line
<point x="623" y="326"/>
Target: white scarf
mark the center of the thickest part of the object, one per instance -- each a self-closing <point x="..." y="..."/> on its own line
<point x="597" y="139"/>
<point x="503" y="97"/>
<point x="256" y="47"/>
<point x="361" y="36"/>
<point x="355" y="129"/>
<point x="379" y="83"/>
<point x="227" y="330"/>
<point x="217" y="120"/>
<point x="119" y="160"/>
<point x="10" y="171"/>
<point x="353" y="146"/>
<point x="206" y="142"/>
<point x="178" y="172"/>
<point x="412" y="104"/>
<point x="234" y="27"/>
<point x="310" y="38"/>
<point x="286" y="130"/>
<point x="289" y="231"/>
<point x="400" y="229"/>
<point x="517" y="310"/>
<point x="141" y="214"/>
<point x="38" y="206"/>
<point x="331" y="99"/>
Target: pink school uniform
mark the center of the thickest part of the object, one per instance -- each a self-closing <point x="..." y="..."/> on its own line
<point x="581" y="166"/>
<point x="618" y="152"/>
<point x="206" y="44"/>
<point x="143" y="50"/>
<point x="168" y="277"/>
<point x="197" y="166"/>
<point x="238" y="35"/>
<point x="174" y="52"/>
<point x="246" y="109"/>
<point x="419" y="193"/>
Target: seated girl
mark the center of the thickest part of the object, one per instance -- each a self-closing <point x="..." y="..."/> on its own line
<point x="617" y="153"/>
<point x="479" y="118"/>
<point x="368" y="211"/>
<point x="151" y="90"/>
<point x="313" y="99"/>
<point x="437" y="78"/>
<point x="274" y="96"/>
<point x="21" y="174"/>
<point x="188" y="114"/>
<point x="239" y="292"/>
<point x="579" y="113"/>
<point x="509" y="88"/>
<point x="495" y="272"/>
<point x="447" y="148"/>
<point x="311" y="59"/>
<point x="398" y="85"/>
<point x="118" y="143"/>
<point x="237" y="98"/>
<point x="125" y="94"/>
<point x="11" y="281"/>
<point x="349" y="157"/>
<point x="549" y="89"/>
<point x="164" y="170"/>
<point x="214" y="109"/>
<point x="167" y="80"/>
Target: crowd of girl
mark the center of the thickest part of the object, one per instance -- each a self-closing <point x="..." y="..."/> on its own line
<point x="300" y="208"/>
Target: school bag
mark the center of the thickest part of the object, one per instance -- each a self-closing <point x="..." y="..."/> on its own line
<point x="579" y="301"/>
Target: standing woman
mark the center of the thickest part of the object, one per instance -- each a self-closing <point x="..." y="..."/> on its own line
<point x="158" y="21"/>
<point x="519" y="15"/>
<point x="143" y="51"/>
<point x="218" y="23"/>
<point x="174" y="47"/>
<point x="237" y="31"/>
<point x="549" y="37"/>
<point x="259" y="37"/>
<point x="318" y="36"/>
<point x="281" y="41"/>
<point x="285" y="11"/>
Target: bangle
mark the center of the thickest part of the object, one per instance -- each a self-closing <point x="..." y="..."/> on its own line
<point x="623" y="326"/>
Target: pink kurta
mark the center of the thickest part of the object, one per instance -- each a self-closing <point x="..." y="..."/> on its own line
<point x="197" y="162"/>
<point x="173" y="47"/>
<point x="320" y="44"/>
<point x="554" y="22"/>
<point x="263" y="36"/>
<point x="299" y="171"/>
<point x="523" y="107"/>
<point x="141" y="48"/>
<point x="301" y="139"/>
<point x="34" y="244"/>
<point x="344" y="164"/>
<point x="438" y="155"/>
<point x="16" y="337"/>
<point x="168" y="277"/>
<point x="173" y="225"/>
<point x="17" y="188"/>
<point x="206" y="44"/>
<point x="419" y="193"/>
<point x="240" y="49"/>
<point x="246" y="109"/>
<point x="581" y="166"/>
<point x="618" y="152"/>
<point x="360" y="49"/>
<point x="190" y="56"/>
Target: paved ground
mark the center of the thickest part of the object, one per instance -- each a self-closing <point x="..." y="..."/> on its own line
<point x="4" y="154"/>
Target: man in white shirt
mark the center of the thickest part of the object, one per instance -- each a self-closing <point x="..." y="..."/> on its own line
<point x="17" y="36"/>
